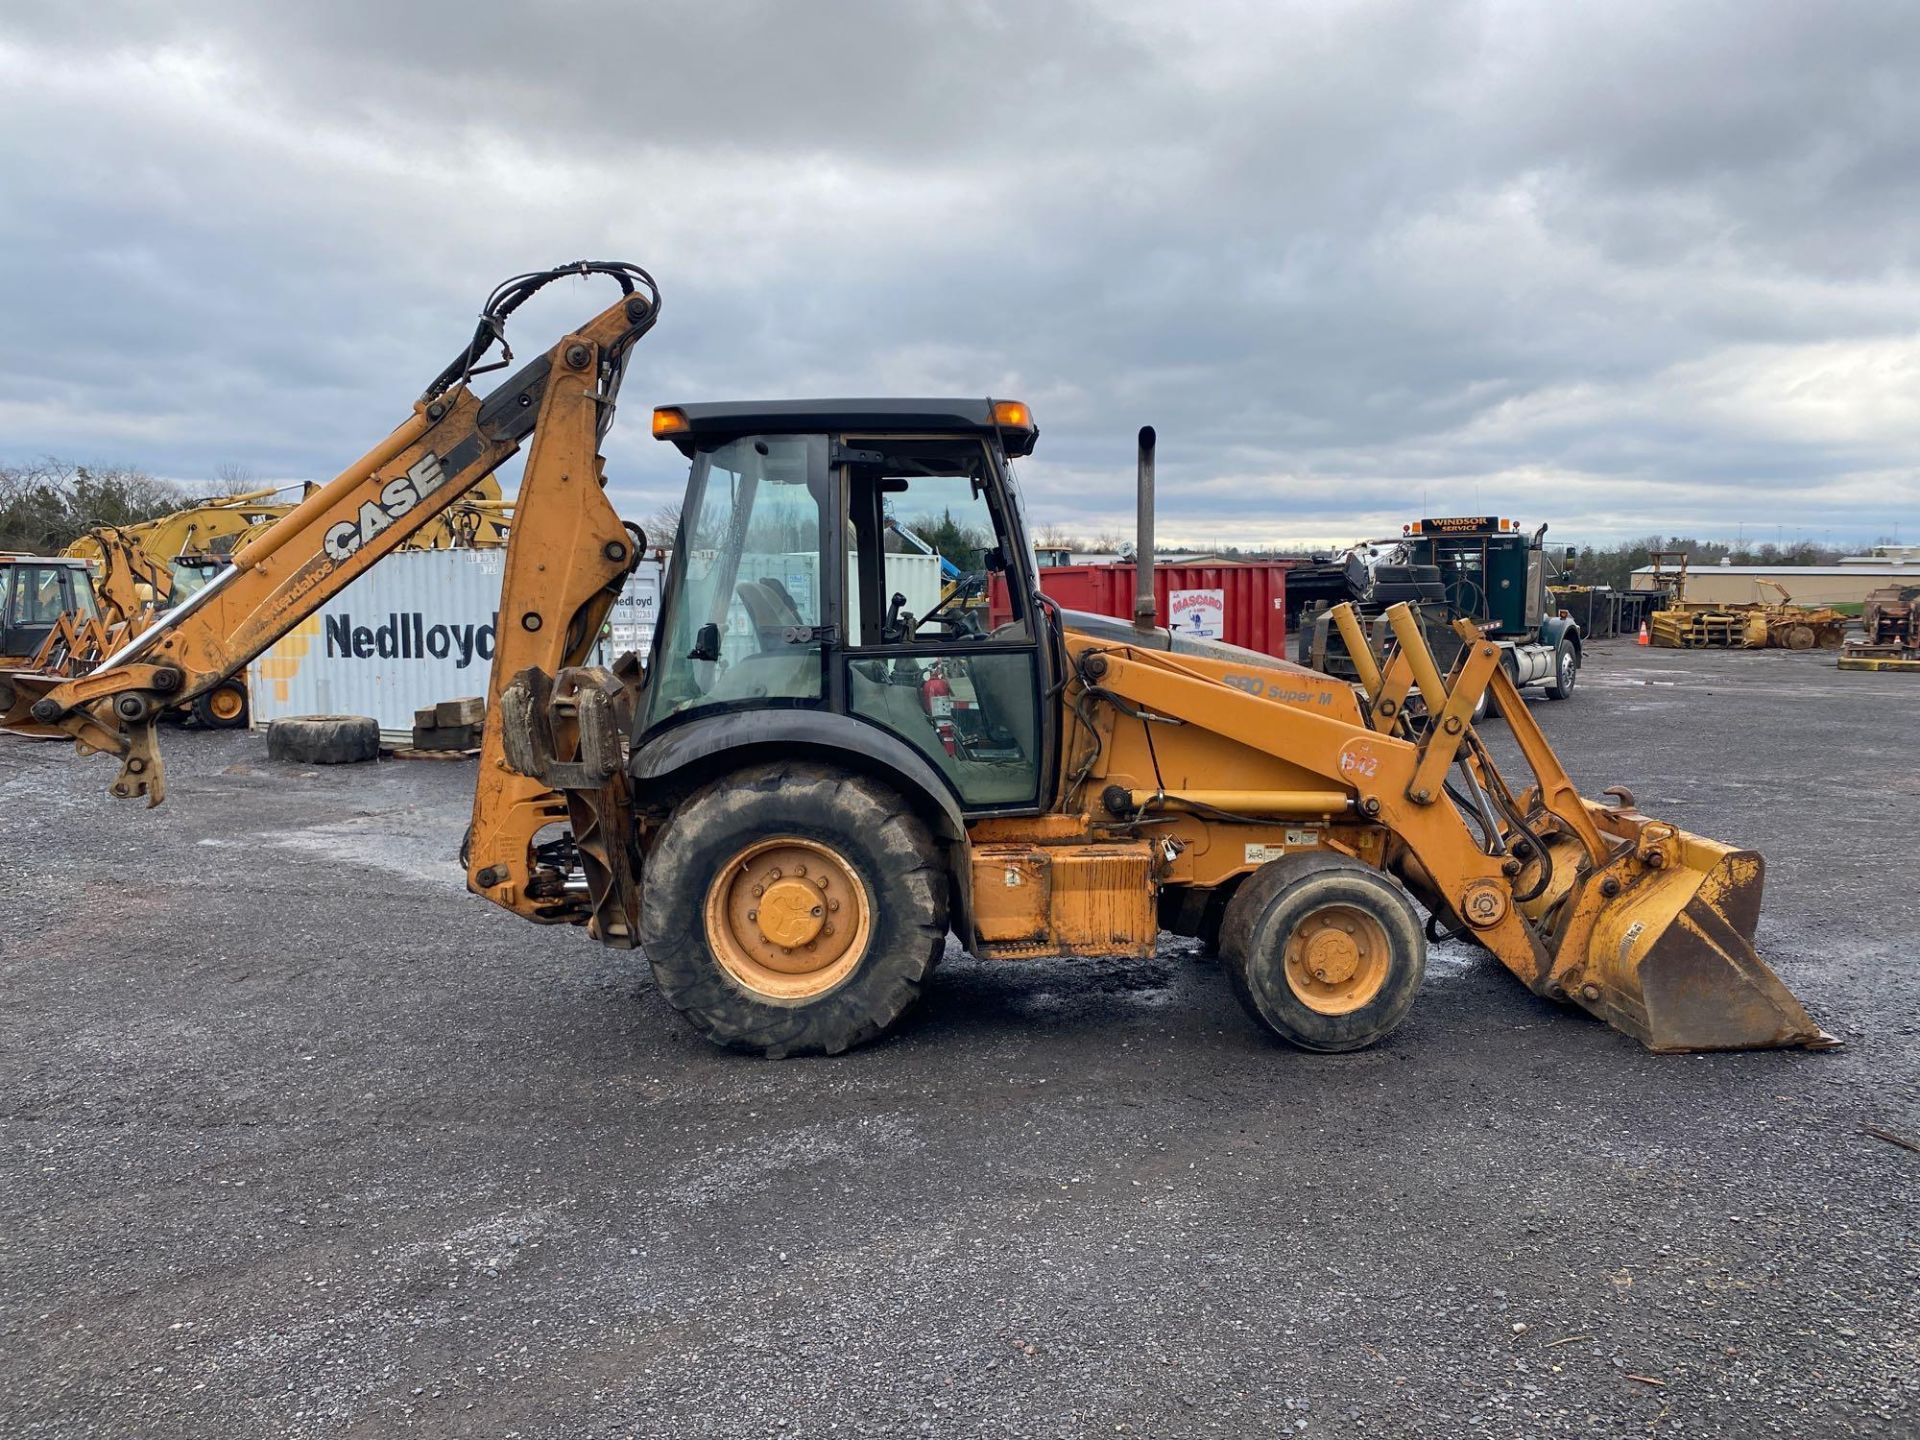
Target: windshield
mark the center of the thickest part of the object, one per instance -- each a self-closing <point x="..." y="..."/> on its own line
<point x="39" y="598"/>
<point x="189" y="578"/>
<point x="742" y="597"/>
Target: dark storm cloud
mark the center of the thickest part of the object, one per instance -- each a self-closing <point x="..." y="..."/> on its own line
<point x="1625" y="268"/>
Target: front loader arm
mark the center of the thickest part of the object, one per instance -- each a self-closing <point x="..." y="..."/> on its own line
<point x="567" y="556"/>
<point x="1639" y="923"/>
<point x="125" y="569"/>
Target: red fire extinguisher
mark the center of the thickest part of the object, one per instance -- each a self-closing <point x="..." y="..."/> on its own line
<point x="936" y="698"/>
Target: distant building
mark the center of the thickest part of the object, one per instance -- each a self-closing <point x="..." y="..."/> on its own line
<point x="1054" y="555"/>
<point x="1844" y="584"/>
<point x="1886" y="555"/>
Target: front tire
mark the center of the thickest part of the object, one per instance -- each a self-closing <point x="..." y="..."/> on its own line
<point x="1566" y="670"/>
<point x="793" y="909"/>
<point x="1323" y="950"/>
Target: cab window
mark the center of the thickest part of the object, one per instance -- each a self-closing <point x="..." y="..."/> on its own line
<point x="742" y="602"/>
<point x="38" y="596"/>
<point x="932" y="660"/>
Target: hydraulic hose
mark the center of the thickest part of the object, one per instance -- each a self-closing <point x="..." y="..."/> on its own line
<point x="510" y="295"/>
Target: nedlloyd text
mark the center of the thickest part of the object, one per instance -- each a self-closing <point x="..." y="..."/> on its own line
<point x="409" y="637"/>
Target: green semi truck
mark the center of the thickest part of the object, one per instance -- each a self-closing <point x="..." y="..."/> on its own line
<point x="1481" y="567"/>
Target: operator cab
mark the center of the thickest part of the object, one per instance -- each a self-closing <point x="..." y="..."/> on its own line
<point x="831" y="577"/>
<point x="35" y="591"/>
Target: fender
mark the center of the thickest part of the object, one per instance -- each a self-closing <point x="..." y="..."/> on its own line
<point x="1556" y="628"/>
<point x="745" y="736"/>
<point x="817" y="734"/>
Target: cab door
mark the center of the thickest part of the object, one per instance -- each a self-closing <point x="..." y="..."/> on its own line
<point x="925" y="656"/>
<point x="36" y="597"/>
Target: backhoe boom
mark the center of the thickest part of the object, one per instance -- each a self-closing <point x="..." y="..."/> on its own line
<point x="567" y="556"/>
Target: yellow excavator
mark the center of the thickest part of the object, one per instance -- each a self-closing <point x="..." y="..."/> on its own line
<point x="826" y="764"/>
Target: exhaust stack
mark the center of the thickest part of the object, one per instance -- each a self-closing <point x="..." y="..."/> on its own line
<point x="1145" y="612"/>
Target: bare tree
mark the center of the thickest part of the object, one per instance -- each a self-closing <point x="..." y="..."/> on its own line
<point x="47" y="504"/>
<point x="233" y="478"/>
<point x="663" y="524"/>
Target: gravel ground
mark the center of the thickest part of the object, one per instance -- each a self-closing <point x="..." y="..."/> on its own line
<point x="298" y="1139"/>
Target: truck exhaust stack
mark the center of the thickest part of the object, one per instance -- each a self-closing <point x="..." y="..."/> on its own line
<point x="1145" y="612"/>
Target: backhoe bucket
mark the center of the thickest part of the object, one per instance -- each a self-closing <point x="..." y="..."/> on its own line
<point x="1670" y="957"/>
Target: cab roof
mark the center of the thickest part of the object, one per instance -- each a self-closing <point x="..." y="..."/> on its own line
<point x="723" y="419"/>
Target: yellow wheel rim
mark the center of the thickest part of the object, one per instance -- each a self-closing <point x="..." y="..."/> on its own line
<point x="1337" y="959"/>
<point x="226" y="703"/>
<point x="788" y="918"/>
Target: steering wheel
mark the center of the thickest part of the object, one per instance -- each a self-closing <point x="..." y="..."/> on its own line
<point x="957" y="623"/>
<point x="1472" y="599"/>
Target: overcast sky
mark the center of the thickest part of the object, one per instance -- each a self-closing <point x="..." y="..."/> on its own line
<point x="1624" y="267"/>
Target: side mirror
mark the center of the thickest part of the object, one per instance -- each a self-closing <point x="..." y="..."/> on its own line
<point x="706" y="643"/>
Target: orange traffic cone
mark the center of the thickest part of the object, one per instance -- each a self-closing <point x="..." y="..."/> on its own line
<point x="1643" y="640"/>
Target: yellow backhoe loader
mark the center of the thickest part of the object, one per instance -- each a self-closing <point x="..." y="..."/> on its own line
<point x="810" y="781"/>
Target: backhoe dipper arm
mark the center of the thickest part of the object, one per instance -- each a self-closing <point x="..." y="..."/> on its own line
<point x="551" y="604"/>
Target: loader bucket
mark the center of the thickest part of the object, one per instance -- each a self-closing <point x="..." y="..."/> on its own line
<point x="1670" y="958"/>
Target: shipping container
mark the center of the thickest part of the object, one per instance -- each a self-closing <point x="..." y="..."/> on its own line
<point x="418" y="628"/>
<point x="630" y="622"/>
<point x="414" y="630"/>
<point x="1243" y="603"/>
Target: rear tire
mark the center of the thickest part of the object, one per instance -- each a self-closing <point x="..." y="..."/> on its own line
<point x="763" y="839"/>
<point x="1324" y="951"/>
<point x="1566" y="670"/>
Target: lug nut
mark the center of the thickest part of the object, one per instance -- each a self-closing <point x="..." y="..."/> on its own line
<point x="753" y="914"/>
<point x="758" y="891"/>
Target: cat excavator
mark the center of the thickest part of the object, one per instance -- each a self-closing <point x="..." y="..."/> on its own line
<point x="805" y="786"/>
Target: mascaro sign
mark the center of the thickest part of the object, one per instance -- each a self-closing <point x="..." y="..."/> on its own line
<point x="1202" y="613"/>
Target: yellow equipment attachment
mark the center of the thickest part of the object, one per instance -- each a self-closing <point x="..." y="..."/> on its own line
<point x="1632" y="919"/>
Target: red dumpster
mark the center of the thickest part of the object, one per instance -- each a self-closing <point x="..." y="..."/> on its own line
<point x="1242" y="602"/>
